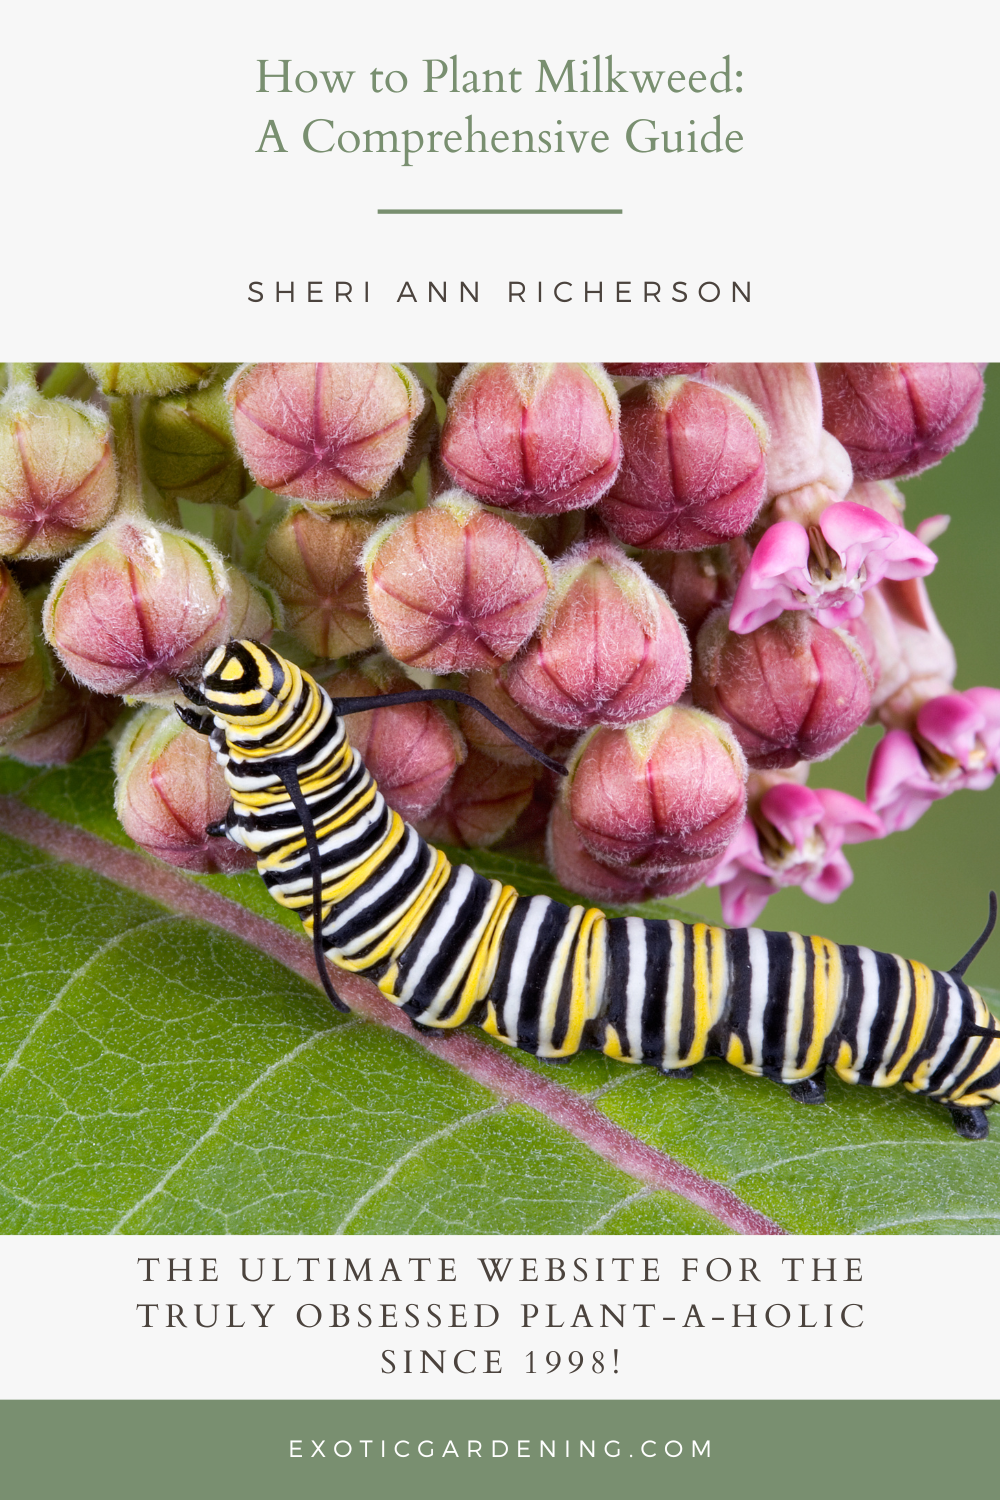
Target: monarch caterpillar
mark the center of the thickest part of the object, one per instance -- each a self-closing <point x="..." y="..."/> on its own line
<point x="449" y="945"/>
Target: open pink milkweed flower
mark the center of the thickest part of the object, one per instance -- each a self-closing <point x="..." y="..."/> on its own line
<point x="825" y="568"/>
<point x="954" y="746"/>
<point x="795" y="839"/>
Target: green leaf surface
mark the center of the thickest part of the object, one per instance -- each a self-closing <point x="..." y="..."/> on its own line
<point x="159" y="1074"/>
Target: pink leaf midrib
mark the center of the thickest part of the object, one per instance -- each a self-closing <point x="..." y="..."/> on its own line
<point x="500" y="1073"/>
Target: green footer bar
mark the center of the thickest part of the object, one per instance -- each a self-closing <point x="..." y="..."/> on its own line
<point x="494" y="1450"/>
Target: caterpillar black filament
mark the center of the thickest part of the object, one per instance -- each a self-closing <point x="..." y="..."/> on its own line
<point x="450" y="946"/>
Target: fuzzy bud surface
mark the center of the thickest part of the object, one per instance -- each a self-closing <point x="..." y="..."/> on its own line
<point x="328" y="434"/>
<point x="610" y="649"/>
<point x="137" y="608"/>
<point x="693" y="469"/>
<point x="453" y="588"/>
<point x="188" y="448"/>
<point x="791" y="690"/>
<point x="537" y="438"/>
<point x="898" y="419"/>
<point x="169" y="787"/>
<point x="313" y="564"/>
<point x="57" y="474"/>
<point x="22" y="671"/>
<point x="482" y="804"/>
<point x="666" y="792"/>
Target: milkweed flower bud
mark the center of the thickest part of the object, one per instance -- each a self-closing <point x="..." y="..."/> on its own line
<point x="169" y="787"/>
<point x="669" y="791"/>
<point x="826" y="567"/>
<point x="788" y="398"/>
<point x="188" y="449"/>
<point x="481" y="735"/>
<point x="313" y="564"/>
<point x="954" y="745"/>
<point x="22" y="669"/>
<point x="610" y="649"/>
<point x="897" y="419"/>
<point x="577" y="869"/>
<point x="538" y="438"/>
<point x="916" y="660"/>
<point x="69" y="722"/>
<point x="57" y="474"/>
<point x="254" y="612"/>
<point x="794" y="837"/>
<point x="651" y="372"/>
<point x="453" y="588"/>
<point x="696" y="583"/>
<point x="411" y="749"/>
<point x="693" y="471"/>
<point x="482" y="804"/>
<point x="137" y="608"/>
<point x="149" y="380"/>
<point x="329" y="434"/>
<point x="791" y="690"/>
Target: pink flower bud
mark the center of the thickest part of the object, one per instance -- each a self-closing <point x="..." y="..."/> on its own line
<point x="482" y="804"/>
<point x="313" y="564"/>
<point x="412" y="749"/>
<point x="794" y="838"/>
<point x="453" y="588"/>
<point x="577" y="869"/>
<point x="69" y="722"/>
<point x="787" y="396"/>
<point x="825" y="569"/>
<point x="610" y="649"/>
<point x="57" y="474"/>
<point x="916" y="660"/>
<point x="527" y="834"/>
<point x="169" y="788"/>
<point x="188" y="449"/>
<point x="696" y="583"/>
<point x="897" y="419"/>
<point x="326" y="434"/>
<point x="149" y="380"/>
<point x="652" y="372"/>
<point x="137" y="608"/>
<point x="483" y="736"/>
<point x="791" y="690"/>
<point x="666" y="792"/>
<point x="693" y="471"/>
<point x="954" y="745"/>
<point x="22" y="671"/>
<point x="538" y="438"/>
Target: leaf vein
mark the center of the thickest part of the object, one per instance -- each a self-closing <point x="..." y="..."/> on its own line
<point x="76" y="975"/>
<point x="414" y="1150"/>
<point x="224" y="1115"/>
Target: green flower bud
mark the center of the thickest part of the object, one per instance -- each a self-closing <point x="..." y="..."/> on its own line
<point x="22" y="669"/>
<point x="188" y="448"/>
<point x="148" y="380"/>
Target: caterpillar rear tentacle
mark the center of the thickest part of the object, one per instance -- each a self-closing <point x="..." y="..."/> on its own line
<point x="449" y="946"/>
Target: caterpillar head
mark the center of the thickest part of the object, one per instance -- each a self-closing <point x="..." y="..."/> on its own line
<point x="244" y="684"/>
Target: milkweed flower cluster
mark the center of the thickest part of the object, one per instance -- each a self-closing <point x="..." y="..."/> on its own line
<point x="687" y="582"/>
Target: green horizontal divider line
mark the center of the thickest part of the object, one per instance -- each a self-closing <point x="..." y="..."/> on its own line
<point x="500" y="210"/>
